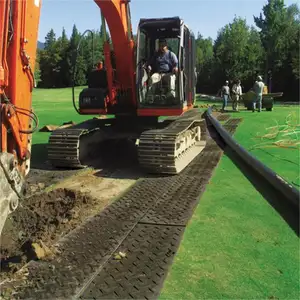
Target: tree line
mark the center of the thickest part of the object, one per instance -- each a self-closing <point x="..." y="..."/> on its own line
<point x="243" y="52"/>
<point x="54" y="67"/>
<point x="239" y="52"/>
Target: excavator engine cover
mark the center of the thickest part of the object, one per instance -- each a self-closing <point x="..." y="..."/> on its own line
<point x="92" y="98"/>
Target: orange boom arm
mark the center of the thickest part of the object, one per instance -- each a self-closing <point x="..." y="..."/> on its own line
<point x="19" y="22"/>
<point x="117" y="16"/>
<point x="18" y="37"/>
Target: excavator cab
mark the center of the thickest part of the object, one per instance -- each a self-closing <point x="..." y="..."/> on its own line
<point x="174" y="90"/>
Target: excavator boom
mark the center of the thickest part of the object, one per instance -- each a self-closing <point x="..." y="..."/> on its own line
<point x="19" y="22"/>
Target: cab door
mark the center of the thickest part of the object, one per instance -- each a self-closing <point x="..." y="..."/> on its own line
<point x="189" y="72"/>
<point x="141" y="58"/>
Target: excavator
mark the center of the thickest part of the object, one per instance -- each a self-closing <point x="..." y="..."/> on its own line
<point x="119" y="87"/>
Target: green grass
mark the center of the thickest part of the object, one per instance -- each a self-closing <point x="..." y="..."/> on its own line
<point x="263" y="142"/>
<point x="236" y="246"/>
<point x="54" y="106"/>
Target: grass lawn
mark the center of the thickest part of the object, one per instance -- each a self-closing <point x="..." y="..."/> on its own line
<point x="274" y="137"/>
<point x="54" y="106"/>
<point x="236" y="246"/>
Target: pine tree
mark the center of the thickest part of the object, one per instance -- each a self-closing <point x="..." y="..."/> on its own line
<point x="76" y="59"/>
<point x="49" y="58"/>
<point x="63" y="80"/>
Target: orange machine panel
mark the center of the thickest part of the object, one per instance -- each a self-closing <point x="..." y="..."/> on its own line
<point x="117" y="16"/>
<point x="21" y="55"/>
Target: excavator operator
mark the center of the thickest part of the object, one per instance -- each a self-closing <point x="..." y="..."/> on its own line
<point x="164" y="66"/>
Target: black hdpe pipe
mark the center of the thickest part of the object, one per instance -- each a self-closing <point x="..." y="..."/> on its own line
<point x="285" y="197"/>
<point x="74" y="64"/>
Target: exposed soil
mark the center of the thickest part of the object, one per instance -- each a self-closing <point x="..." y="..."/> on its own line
<point x="43" y="218"/>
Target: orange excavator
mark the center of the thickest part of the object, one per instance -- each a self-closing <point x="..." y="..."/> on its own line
<point x="119" y="87"/>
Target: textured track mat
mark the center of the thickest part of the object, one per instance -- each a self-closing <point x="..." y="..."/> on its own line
<point x="231" y="125"/>
<point x="176" y="208"/>
<point x="230" y="129"/>
<point x="146" y="222"/>
<point x="223" y="117"/>
<point x="149" y="252"/>
<point x="233" y="122"/>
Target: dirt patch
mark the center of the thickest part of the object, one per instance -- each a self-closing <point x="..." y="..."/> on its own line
<point x="38" y="180"/>
<point x="37" y="224"/>
<point x="102" y="188"/>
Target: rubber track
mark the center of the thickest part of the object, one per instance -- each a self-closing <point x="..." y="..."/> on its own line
<point x="85" y="267"/>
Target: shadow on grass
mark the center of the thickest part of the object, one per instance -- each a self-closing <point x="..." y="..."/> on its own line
<point x="287" y="211"/>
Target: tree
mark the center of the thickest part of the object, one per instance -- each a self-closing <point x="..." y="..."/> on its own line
<point x="238" y="52"/>
<point x="37" y="71"/>
<point x="79" y="64"/>
<point x="204" y="63"/>
<point x="63" y="67"/>
<point x="49" y="58"/>
<point x="279" y="33"/>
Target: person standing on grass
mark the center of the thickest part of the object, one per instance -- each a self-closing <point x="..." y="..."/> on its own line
<point x="236" y="94"/>
<point x="258" y="90"/>
<point x="225" y="91"/>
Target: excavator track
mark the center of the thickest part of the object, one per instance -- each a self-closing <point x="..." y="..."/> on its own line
<point x="168" y="150"/>
<point x="171" y="149"/>
<point x="64" y="147"/>
<point x="70" y="147"/>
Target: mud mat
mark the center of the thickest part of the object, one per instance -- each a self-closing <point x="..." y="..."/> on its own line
<point x="233" y="122"/>
<point x="223" y="117"/>
<point x="176" y="208"/>
<point x="231" y="125"/>
<point x="86" y="266"/>
<point x="140" y="274"/>
<point x="230" y="129"/>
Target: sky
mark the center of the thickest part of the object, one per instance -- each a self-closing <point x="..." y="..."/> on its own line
<point x="204" y="16"/>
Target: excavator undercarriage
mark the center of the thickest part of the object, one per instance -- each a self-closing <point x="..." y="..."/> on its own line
<point x="165" y="147"/>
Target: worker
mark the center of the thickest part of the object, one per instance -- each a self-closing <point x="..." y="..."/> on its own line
<point x="225" y="91"/>
<point x="164" y="66"/>
<point x="236" y="94"/>
<point x="258" y="90"/>
<point x="99" y="65"/>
